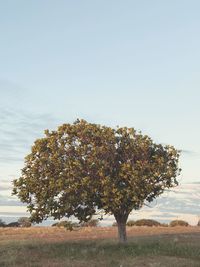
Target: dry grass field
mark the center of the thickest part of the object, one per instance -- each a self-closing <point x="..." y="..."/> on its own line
<point x="54" y="234"/>
<point x="98" y="246"/>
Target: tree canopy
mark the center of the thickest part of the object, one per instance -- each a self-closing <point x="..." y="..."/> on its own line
<point x="84" y="167"/>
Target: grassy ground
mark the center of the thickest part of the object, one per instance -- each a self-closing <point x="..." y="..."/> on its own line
<point x="182" y="249"/>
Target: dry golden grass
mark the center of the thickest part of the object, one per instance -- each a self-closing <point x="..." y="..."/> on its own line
<point x="87" y="233"/>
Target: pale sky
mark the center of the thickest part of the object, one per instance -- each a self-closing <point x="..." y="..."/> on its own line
<point x="128" y="63"/>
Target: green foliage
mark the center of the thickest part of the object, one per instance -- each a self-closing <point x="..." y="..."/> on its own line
<point x="130" y="223"/>
<point x="146" y="222"/>
<point x="24" y="222"/>
<point x="178" y="223"/>
<point x="68" y="225"/>
<point x="90" y="223"/>
<point x="83" y="167"/>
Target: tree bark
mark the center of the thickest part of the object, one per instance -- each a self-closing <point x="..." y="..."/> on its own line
<point x="121" y="224"/>
<point x="122" y="232"/>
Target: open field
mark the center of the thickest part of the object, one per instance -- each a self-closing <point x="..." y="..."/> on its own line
<point x="147" y="246"/>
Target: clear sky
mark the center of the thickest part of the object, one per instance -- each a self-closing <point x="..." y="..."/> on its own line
<point x="128" y="63"/>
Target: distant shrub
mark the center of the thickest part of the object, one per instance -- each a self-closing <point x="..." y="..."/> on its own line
<point x="90" y="223"/>
<point x="114" y="224"/>
<point x="2" y="223"/>
<point x="164" y="224"/>
<point x="178" y="223"/>
<point x="76" y="225"/>
<point x="13" y="224"/>
<point x="147" y="222"/>
<point x="24" y="222"/>
<point x="198" y="224"/>
<point x="130" y="223"/>
<point x="68" y="225"/>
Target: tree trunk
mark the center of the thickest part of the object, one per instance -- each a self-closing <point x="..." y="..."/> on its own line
<point x="121" y="224"/>
<point x="122" y="232"/>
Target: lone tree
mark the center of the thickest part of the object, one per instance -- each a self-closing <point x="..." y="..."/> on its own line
<point x="83" y="167"/>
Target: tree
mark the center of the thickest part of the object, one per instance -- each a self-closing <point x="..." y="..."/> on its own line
<point x="13" y="224"/>
<point x="24" y="222"/>
<point x="68" y="225"/>
<point x="178" y="223"/>
<point x="2" y="223"/>
<point x="84" y="167"/>
<point x="90" y="223"/>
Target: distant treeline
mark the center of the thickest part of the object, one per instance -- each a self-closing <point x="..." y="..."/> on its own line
<point x="149" y="222"/>
<point x="22" y="222"/>
<point x="69" y="225"/>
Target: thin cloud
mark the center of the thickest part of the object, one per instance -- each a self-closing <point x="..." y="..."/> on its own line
<point x="5" y="187"/>
<point x="13" y="214"/>
<point x="9" y="201"/>
<point x="19" y="131"/>
<point x="10" y="90"/>
<point x="190" y="153"/>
